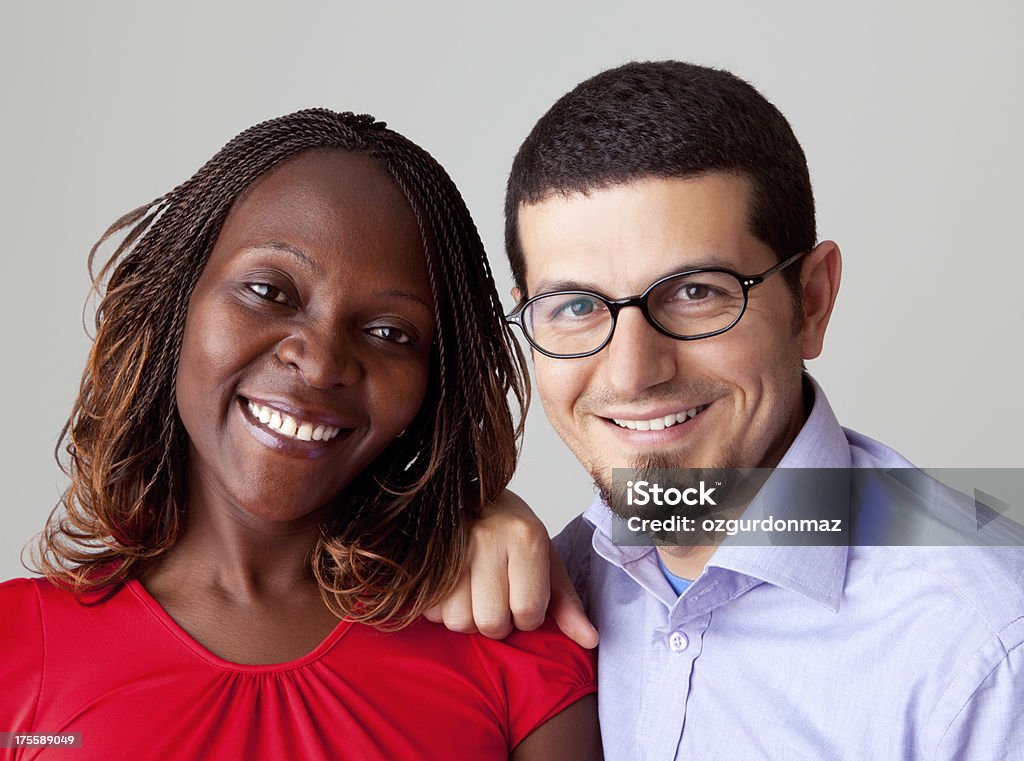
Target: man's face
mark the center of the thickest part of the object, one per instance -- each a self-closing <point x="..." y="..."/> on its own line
<point x="745" y="384"/>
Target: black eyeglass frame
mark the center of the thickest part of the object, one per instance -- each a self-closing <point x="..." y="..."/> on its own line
<point x="515" y="317"/>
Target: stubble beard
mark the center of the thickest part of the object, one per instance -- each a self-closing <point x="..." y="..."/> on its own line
<point x="733" y="490"/>
<point x="667" y="471"/>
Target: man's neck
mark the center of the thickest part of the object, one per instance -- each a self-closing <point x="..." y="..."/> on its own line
<point x="686" y="562"/>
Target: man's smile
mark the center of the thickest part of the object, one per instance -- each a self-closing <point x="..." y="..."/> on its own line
<point x="643" y="430"/>
<point x="658" y="422"/>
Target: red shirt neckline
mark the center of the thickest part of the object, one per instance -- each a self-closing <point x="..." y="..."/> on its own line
<point x="186" y="639"/>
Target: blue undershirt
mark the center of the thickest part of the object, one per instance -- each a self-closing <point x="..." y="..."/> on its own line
<point x="678" y="583"/>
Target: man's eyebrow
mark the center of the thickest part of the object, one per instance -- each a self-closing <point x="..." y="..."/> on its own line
<point x="298" y="253"/>
<point x="708" y="262"/>
<point x="553" y="286"/>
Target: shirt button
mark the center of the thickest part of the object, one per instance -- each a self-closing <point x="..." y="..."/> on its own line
<point x="678" y="642"/>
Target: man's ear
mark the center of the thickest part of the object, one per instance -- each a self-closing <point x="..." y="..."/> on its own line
<point x="516" y="295"/>
<point x="820" y="273"/>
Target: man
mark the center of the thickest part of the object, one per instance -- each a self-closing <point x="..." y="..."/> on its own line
<point x="630" y="182"/>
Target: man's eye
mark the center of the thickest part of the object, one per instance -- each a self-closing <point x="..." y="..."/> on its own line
<point x="580" y="307"/>
<point x="268" y="292"/>
<point x="389" y="333"/>
<point x="576" y="307"/>
<point x="693" y="292"/>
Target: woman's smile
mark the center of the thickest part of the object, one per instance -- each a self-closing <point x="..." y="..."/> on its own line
<point x="288" y="428"/>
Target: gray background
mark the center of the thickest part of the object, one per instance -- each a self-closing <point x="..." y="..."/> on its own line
<point x="910" y="113"/>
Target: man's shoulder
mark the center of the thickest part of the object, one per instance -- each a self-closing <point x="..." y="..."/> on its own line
<point x="578" y="531"/>
<point x="973" y="595"/>
<point x="972" y="557"/>
<point x="866" y="452"/>
<point x="574" y="545"/>
<point x="987" y="582"/>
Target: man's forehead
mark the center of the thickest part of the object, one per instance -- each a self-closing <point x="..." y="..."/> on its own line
<point x="623" y="237"/>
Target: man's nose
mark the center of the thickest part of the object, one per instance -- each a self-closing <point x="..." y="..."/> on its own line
<point x="324" y="357"/>
<point x="638" y="356"/>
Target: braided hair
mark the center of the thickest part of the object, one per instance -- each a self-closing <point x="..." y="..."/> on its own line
<point x="398" y="545"/>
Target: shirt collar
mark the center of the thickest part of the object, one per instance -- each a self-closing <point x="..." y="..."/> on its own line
<point x="818" y="573"/>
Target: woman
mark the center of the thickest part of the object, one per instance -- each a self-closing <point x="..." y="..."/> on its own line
<point x="295" y="401"/>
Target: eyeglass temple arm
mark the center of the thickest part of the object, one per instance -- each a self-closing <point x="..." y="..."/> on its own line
<point x="752" y="280"/>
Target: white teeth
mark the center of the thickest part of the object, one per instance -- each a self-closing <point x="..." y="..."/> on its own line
<point x="285" y="424"/>
<point x="659" y="423"/>
<point x="289" y="426"/>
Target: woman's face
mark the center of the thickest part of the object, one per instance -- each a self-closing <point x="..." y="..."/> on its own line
<point x="307" y="342"/>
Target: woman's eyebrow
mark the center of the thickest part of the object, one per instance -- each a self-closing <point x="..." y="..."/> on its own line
<point x="402" y="295"/>
<point x="298" y="253"/>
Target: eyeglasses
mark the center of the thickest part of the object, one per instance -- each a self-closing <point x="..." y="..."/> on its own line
<point x="688" y="305"/>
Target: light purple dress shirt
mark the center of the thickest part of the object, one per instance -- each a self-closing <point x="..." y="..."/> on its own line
<point x="807" y="653"/>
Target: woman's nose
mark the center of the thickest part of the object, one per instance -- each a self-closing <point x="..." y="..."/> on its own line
<point x="322" y="363"/>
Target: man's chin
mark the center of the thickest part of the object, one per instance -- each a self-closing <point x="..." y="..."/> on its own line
<point x="663" y="469"/>
<point x="732" y="491"/>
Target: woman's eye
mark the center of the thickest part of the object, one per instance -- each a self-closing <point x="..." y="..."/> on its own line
<point x="388" y="333"/>
<point x="268" y="292"/>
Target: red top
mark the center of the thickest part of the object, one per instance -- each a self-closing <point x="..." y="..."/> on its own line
<point x="126" y="676"/>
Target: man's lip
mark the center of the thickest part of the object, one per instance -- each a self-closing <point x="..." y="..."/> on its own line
<point x="300" y="411"/>
<point x="654" y="437"/>
<point x="656" y="412"/>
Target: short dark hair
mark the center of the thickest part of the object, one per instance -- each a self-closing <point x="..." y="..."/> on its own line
<point x="666" y="119"/>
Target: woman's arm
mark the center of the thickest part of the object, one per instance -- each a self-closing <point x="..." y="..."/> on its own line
<point x="572" y="735"/>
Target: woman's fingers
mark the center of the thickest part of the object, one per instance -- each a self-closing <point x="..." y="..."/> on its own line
<point x="567" y="608"/>
<point x="512" y="576"/>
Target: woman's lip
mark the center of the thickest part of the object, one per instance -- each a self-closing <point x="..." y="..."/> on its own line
<point x="298" y="411"/>
<point x="286" y="444"/>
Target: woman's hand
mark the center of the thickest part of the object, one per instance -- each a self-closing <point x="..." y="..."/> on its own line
<point x="511" y="576"/>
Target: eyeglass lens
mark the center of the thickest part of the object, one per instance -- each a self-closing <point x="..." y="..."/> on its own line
<point x="685" y="305"/>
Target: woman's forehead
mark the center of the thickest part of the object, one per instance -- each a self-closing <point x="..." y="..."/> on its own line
<point x="334" y="178"/>
<point x="331" y="206"/>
